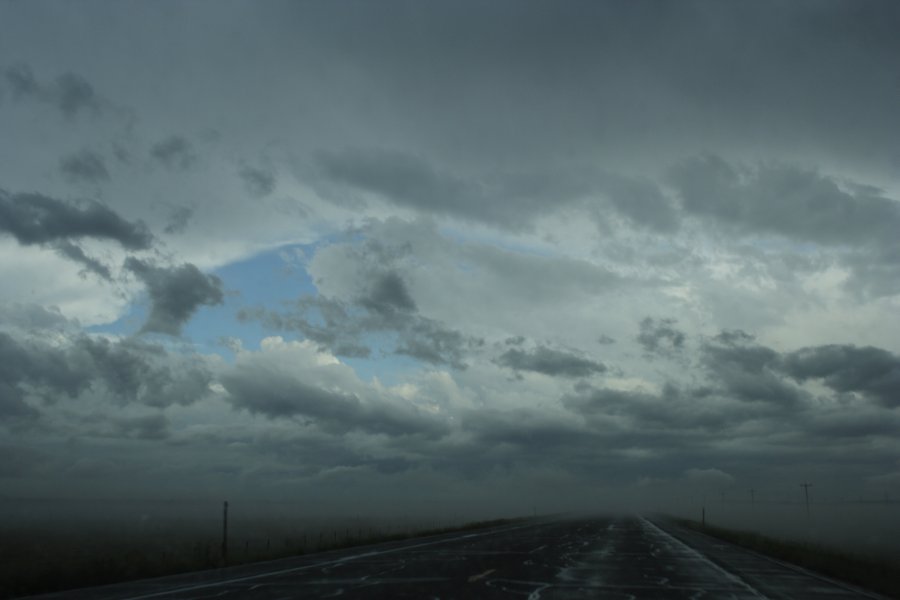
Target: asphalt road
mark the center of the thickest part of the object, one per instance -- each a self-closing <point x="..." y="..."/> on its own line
<point x="579" y="558"/>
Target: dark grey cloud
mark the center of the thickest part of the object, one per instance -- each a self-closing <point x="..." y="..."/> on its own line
<point x="74" y="252"/>
<point x="27" y="368"/>
<point x="870" y="371"/>
<point x="175" y="293"/>
<point x="754" y="372"/>
<point x="660" y="337"/>
<point x="431" y="341"/>
<point x="469" y="118"/>
<point x="642" y="202"/>
<point x="402" y="178"/>
<point x="675" y="418"/>
<point x="732" y="337"/>
<point x="128" y="371"/>
<point x="70" y="93"/>
<point x="37" y="219"/>
<point x="149" y="427"/>
<point x="555" y="363"/>
<point x="276" y="394"/>
<point x="388" y="295"/>
<point x="134" y="371"/>
<point x="531" y="431"/>
<point x="258" y="182"/>
<point x="855" y="424"/>
<point x="20" y="79"/>
<point x="747" y="371"/>
<point x="84" y="166"/>
<point x="179" y="219"/>
<point x="283" y="396"/>
<point x="775" y="198"/>
<point x="622" y="80"/>
<point x="174" y="152"/>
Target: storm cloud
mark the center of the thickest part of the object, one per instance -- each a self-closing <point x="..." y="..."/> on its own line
<point x="84" y="166"/>
<point x="458" y="252"/>
<point x="660" y="337"/>
<point x="749" y="372"/>
<point x="873" y="372"/>
<point x="174" y="152"/>
<point x="508" y="199"/>
<point x="781" y="199"/>
<point x="127" y="371"/>
<point x="70" y="93"/>
<point x="175" y="293"/>
<point x="38" y="219"/>
<point x="547" y="361"/>
<point x="259" y="182"/>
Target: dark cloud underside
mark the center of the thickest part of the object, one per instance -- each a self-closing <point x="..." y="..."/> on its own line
<point x="547" y="361"/>
<point x="38" y="219"/>
<point x="175" y="293"/>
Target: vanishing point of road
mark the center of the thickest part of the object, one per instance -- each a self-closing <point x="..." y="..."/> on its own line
<point x="612" y="558"/>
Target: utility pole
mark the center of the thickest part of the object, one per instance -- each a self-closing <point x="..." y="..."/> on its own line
<point x="225" y="533"/>
<point x="806" y="487"/>
<point x="703" y="511"/>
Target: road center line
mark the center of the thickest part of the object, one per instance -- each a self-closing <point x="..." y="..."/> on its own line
<point x="475" y="578"/>
<point x="729" y="576"/>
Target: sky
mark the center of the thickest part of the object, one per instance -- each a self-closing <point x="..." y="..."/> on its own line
<point x="432" y="256"/>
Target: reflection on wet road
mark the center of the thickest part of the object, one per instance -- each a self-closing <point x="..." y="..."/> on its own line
<point x="585" y="558"/>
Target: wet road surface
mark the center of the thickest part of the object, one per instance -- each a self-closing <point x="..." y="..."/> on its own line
<point x="613" y="558"/>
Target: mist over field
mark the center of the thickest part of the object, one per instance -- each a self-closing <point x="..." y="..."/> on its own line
<point x="410" y="265"/>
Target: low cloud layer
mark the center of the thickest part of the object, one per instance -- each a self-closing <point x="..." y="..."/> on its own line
<point x="274" y="389"/>
<point x="39" y="377"/>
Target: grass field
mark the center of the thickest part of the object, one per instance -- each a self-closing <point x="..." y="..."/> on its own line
<point x="37" y="560"/>
<point x="879" y="575"/>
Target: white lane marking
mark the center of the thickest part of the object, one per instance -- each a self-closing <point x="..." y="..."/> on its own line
<point x="475" y="578"/>
<point x="321" y="564"/>
<point x="802" y="571"/>
<point x="536" y="594"/>
<point x="704" y="559"/>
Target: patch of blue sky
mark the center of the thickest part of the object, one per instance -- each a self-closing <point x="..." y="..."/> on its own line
<point x="264" y="280"/>
<point x="269" y="280"/>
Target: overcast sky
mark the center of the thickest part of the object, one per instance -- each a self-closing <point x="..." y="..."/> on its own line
<point x="429" y="254"/>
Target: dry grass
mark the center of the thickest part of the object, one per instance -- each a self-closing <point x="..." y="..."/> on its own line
<point x="878" y="575"/>
<point x="38" y="561"/>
